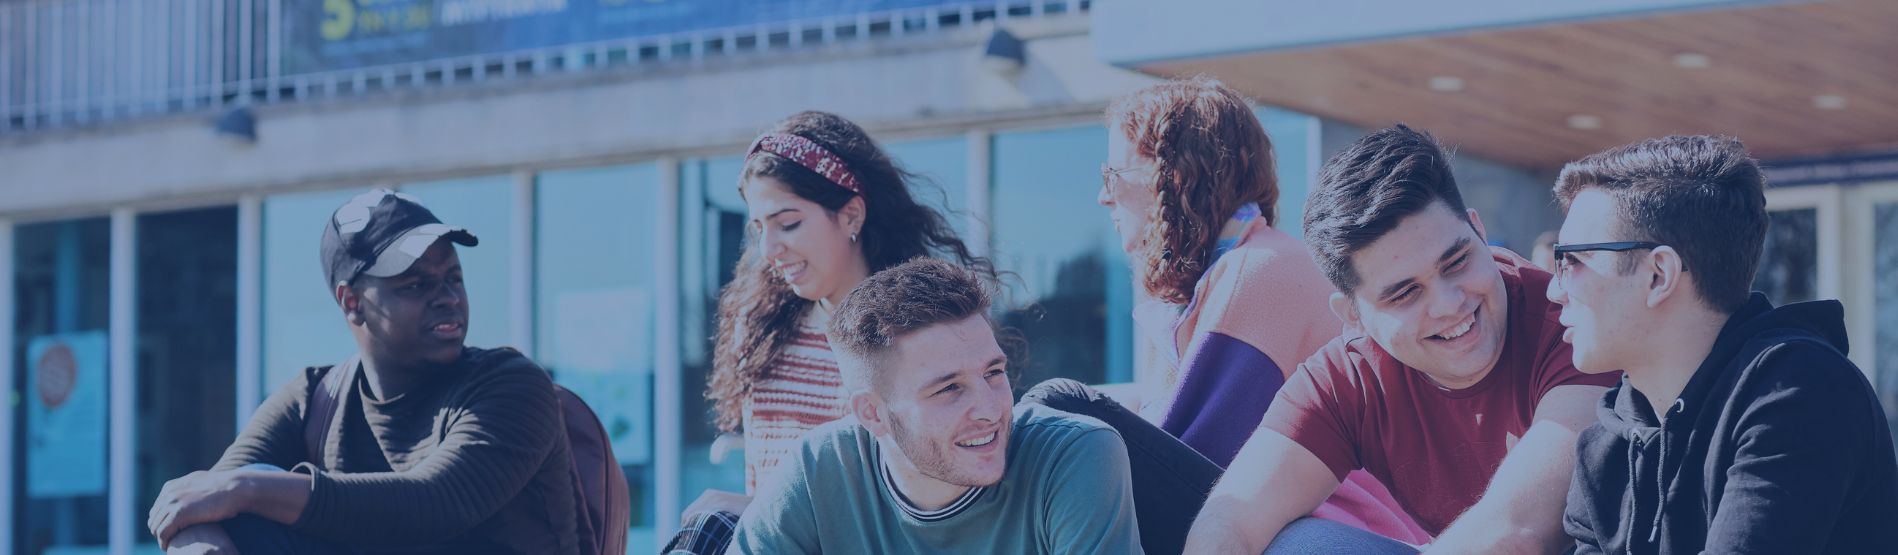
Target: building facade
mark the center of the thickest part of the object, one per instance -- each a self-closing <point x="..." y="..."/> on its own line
<point x="168" y="165"/>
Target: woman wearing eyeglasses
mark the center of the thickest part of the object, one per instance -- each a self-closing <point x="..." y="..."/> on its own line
<point x="1231" y="304"/>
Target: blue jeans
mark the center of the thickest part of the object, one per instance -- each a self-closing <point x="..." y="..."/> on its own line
<point x="1314" y="536"/>
<point x="1317" y="536"/>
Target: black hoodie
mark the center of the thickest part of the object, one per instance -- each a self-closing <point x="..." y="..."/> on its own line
<point x="1776" y="445"/>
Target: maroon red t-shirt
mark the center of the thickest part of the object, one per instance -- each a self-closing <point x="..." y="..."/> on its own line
<point x="1355" y="406"/>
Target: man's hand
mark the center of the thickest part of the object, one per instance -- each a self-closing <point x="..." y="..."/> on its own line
<point x="203" y="539"/>
<point x="198" y="498"/>
<point x="717" y="500"/>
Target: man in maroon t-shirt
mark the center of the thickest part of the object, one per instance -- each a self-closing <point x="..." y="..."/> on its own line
<point x="1451" y="385"/>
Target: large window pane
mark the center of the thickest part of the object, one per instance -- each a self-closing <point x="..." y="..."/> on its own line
<point x="1885" y="306"/>
<point x="595" y="271"/>
<point x="484" y="206"/>
<point x="713" y="222"/>
<point x="943" y="166"/>
<point x="187" y="351"/>
<point x="302" y="325"/>
<point x="61" y="291"/>
<point x="1789" y="264"/>
<point x="1073" y="299"/>
<point x="1292" y="151"/>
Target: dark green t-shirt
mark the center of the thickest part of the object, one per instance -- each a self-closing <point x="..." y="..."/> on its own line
<point x="1065" y="489"/>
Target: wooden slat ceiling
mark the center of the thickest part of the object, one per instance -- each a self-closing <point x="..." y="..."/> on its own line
<point x="1521" y="87"/>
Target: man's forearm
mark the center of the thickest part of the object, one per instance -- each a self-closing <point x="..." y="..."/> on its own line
<point x="1487" y="530"/>
<point x="1521" y="512"/>
<point x="274" y="494"/>
<point x="1272" y="482"/>
<point x="1217" y="531"/>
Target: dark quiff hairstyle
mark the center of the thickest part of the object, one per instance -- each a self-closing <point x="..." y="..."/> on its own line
<point x="1703" y="195"/>
<point x="1366" y="190"/>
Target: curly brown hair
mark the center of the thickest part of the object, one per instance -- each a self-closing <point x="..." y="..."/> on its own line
<point x="1211" y="157"/>
<point x="757" y="312"/>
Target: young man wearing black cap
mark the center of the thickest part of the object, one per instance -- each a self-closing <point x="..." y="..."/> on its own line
<point x="434" y="447"/>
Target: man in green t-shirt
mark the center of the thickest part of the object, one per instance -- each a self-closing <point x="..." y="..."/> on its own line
<point x="935" y="458"/>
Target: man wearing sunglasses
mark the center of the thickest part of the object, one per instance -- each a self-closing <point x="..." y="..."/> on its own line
<point x="1739" y="427"/>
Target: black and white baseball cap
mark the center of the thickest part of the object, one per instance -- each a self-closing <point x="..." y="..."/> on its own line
<point x="381" y="233"/>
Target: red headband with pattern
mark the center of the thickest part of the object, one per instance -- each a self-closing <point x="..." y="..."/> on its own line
<point x="809" y="154"/>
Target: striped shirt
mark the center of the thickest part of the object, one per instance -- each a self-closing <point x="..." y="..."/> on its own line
<point x="802" y="390"/>
<point x="902" y="501"/>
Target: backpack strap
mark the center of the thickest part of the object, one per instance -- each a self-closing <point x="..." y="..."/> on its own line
<point x="325" y="399"/>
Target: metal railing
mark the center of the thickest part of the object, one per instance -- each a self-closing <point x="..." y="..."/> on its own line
<point x="77" y="62"/>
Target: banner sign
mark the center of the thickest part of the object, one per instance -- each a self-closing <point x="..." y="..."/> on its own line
<point x="324" y="35"/>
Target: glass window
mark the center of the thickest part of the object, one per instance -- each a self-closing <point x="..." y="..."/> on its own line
<point x="1885" y="306"/>
<point x="713" y="234"/>
<point x="1071" y="297"/>
<point x="943" y="165"/>
<point x="484" y="206"/>
<point x="595" y="267"/>
<point x="187" y="350"/>
<point x="302" y="325"/>
<point x="1292" y="149"/>
<point x="61" y="289"/>
<point x="1789" y="264"/>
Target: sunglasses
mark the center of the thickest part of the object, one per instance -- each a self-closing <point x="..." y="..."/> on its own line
<point x="1564" y="262"/>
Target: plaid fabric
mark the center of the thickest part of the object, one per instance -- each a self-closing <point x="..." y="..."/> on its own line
<point x="704" y="534"/>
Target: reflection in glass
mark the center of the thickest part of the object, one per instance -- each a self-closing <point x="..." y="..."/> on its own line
<point x="595" y="267"/>
<point x="942" y="165"/>
<point x="1789" y="264"/>
<point x="61" y="289"/>
<point x="1291" y="152"/>
<point x="713" y="218"/>
<point x="302" y="324"/>
<point x="187" y="349"/>
<point x="1070" y="298"/>
<point x="1885" y="307"/>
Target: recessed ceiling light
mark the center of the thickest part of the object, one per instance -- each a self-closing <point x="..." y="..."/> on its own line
<point x="1693" y="60"/>
<point x="1828" y="102"/>
<point x="1446" y="83"/>
<point x="1584" y="122"/>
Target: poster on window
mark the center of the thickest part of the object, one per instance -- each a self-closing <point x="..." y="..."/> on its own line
<point x="66" y="415"/>
<point x="602" y="350"/>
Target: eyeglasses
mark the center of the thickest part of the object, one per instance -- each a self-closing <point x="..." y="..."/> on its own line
<point x="1565" y="260"/>
<point x="1108" y="174"/>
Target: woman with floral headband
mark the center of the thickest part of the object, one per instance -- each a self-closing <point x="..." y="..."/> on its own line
<point x="827" y="208"/>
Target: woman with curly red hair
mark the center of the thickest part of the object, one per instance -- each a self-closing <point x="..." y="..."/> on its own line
<point x="1231" y="304"/>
